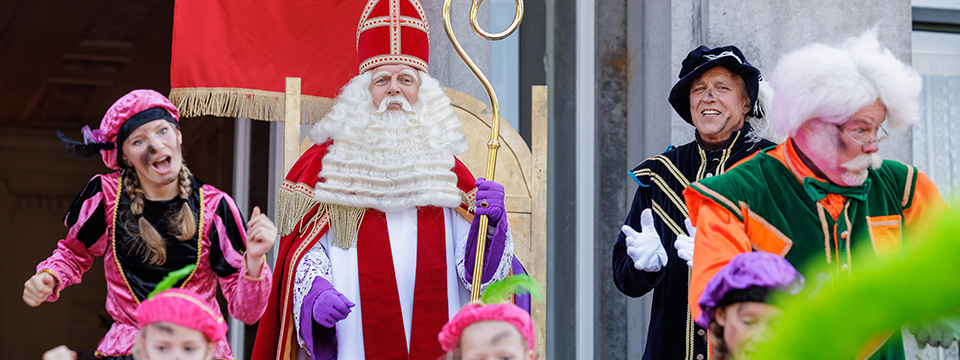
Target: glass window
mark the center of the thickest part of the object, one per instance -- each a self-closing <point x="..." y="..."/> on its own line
<point x="942" y="4"/>
<point x="936" y="138"/>
<point x="505" y="62"/>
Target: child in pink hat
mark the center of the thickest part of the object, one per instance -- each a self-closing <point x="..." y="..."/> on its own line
<point x="177" y="324"/>
<point x="495" y="331"/>
<point x="493" y="328"/>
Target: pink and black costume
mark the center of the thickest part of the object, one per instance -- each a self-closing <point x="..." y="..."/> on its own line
<point x="98" y="223"/>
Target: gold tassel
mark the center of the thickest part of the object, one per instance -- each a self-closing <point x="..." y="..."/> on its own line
<point x="245" y="103"/>
<point x="292" y="206"/>
<point x="344" y="224"/>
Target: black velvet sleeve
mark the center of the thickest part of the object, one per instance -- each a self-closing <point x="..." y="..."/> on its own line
<point x="233" y="227"/>
<point x="95" y="225"/>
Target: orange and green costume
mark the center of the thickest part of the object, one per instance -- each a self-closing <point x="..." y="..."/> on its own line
<point x="775" y="203"/>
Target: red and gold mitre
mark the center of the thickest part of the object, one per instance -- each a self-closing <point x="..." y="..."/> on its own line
<point x="393" y="32"/>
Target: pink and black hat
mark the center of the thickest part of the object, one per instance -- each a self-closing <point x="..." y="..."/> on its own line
<point x="136" y="108"/>
<point x="449" y="336"/>
<point x="184" y="308"/>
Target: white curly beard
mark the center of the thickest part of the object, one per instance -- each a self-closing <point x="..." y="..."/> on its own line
<point x="389" y="160"/>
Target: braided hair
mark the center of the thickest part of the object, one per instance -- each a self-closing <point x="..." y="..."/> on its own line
<point x="153" y="249"/>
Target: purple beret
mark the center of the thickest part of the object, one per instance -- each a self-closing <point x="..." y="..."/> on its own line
<point x="757" y="269"/>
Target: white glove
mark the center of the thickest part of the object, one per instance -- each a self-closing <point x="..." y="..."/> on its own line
<point x="645" y="247"/>
<point x="684" y="244"/>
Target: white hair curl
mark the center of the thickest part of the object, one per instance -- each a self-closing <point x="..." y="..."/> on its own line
<point x="832" y="83"/>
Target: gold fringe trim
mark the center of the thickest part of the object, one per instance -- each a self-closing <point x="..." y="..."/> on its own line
<point x="245" y="103"/>
<point x="344" y="224"/>
<point x="293" y="202"/>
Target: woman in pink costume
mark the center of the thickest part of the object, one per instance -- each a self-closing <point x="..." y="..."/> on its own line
<point x="150" y="217"/>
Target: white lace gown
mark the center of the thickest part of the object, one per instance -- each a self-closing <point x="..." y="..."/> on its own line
<point x="339" y="266"/>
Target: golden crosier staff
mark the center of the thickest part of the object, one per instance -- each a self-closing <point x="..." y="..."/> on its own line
<point x="494" y="142"/>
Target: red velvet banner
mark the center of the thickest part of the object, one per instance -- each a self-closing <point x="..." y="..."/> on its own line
<point x="231" y="57"/>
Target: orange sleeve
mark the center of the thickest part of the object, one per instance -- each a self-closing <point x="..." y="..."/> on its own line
<point x="926" y="203"/>
<point x="720" y="237"/>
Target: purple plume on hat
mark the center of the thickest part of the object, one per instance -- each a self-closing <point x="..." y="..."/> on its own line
<point x="747" y="270"/>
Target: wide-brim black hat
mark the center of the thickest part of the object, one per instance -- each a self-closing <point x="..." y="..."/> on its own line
<point x="702" y="59"/>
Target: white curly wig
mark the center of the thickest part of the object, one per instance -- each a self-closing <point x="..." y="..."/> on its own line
<point x="833" y="82"/>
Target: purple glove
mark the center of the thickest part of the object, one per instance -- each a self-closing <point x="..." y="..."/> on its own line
<point x="330" y="307"/>
<point x="317" y="321"/>
<point x="492" y="193"/>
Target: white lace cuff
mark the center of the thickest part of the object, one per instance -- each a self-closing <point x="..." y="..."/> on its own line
<point x="314" y="263"/>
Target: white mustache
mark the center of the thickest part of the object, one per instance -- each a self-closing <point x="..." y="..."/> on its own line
<point x="396" y="99"/>
<point x="862" y="162"/>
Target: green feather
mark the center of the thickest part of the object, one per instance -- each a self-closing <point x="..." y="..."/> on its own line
<point x="836" y="321"/>
<point x="171" y="279"/>
<point x="499" y="291"/>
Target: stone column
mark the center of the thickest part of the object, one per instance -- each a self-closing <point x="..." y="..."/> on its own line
<point x="445" y="65"/>
<point x="612" y="64"/>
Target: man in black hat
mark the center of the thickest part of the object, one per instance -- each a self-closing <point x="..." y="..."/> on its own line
<point x="719" y="93"/>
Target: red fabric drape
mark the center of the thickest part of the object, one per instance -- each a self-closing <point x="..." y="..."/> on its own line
<point x="230" y="57"/>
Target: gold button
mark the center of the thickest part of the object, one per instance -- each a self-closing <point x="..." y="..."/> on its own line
<point x="844" y="234"/>
<point x="699" y="356"/>
<point x="700" y="332"/>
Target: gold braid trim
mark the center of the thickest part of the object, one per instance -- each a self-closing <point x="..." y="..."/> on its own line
<point x="662" y="184"/>
<point x="673" y="169"/>
<point x="199" y="239"/>
<point x="245" y="103"/>
<point x="689" y="324"/>
<point x="826" y="232"/>
<point x="344" y="223"/>
<point x="666" y="218"/>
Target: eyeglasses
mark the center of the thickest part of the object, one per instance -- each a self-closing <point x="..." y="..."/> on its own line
<point x="863" y="138"/>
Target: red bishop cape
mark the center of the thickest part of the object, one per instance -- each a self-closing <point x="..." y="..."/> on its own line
<point x="276" y="336"/>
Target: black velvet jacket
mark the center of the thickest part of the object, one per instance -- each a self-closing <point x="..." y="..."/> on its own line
<point x="672" y="333"/>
